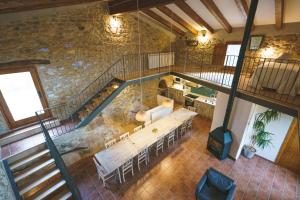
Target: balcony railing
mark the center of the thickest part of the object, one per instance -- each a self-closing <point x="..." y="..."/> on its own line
<point x="271" y="79"/>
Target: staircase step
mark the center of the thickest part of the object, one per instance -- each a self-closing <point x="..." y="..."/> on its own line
<point x="66" y="196"/>
<point x="13" y="159"/>
<point x="38" y="182"/>
<point x="33" y="170"/>
<point x="50" y="190"/>
<point x="27" y="132"/>
<point x="29" y="159"/>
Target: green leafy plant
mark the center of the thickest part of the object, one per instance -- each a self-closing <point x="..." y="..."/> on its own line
<point x="261" y="137"/>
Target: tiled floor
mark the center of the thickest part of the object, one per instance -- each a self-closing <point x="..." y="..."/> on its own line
<point x="175" y="173"/>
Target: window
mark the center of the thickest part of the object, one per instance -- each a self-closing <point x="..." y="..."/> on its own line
<point x="232" y="54"/>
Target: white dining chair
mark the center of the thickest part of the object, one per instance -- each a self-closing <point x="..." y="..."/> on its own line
<point x="160" y="144"/>
<point x="124" y="136"/>
<point x="137" y="128"/>
<point x="143" y="156"/>
<point x="127" y="167"/>
<point x="190" y="123"/>
<point x="110" y="143"/>
<point x="171" y="137"/>
<point x="147" y="123"/>
<point x="183" y="129"/>
<point x="191" y="108"/>
<point x="102" y="174"/>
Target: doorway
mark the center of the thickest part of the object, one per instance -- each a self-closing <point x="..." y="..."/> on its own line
<point x="21" y="95"/>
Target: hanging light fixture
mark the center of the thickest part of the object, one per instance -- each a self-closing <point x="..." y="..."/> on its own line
<point x="140" y="115"/>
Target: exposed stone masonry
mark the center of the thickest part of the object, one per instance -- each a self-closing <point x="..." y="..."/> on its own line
<point x="77" y="42"/>
<point x="117" y="118"/>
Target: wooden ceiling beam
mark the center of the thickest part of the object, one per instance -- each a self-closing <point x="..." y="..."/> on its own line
<point x="243" y="7"/>
<point x="192" y="14"/>
<point x="177" y="19"/>
<point x="214" y="10"/>
<point x="121" y="6"/>
<point x="158" y="18"/>
<point x="36" y="5"/>
<point x="279" y="6"/>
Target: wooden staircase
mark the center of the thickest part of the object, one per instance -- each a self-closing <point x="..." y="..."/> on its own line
<point x="99" y="101"/>
<point x="36" y="176"/>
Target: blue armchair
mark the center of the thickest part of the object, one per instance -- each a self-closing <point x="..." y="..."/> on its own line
<point x="215" y="186"/>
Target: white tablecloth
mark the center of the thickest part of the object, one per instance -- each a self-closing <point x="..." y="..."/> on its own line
<point x="116" y="155"/>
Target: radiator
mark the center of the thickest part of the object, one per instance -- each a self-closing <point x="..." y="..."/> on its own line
<point x="156" y="60"/>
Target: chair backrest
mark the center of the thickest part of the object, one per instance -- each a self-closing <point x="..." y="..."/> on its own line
<point x="147" y="123"/>
<point x="124" y="136"/>
<point x="160" y="141"/>
<point x="143" y="152"/>
<point x="100" y="170"/>
<point x="137" y="128"/>
<point x="110" y="143"/>
<point x="191" y="108"/>
<point x="183" y="126"/>
<point x="127" y="164"/>
<point x="190" y="121"/>
<point x="172" y="133"/>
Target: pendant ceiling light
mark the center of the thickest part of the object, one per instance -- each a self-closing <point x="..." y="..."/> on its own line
<point x="140" y="115"/>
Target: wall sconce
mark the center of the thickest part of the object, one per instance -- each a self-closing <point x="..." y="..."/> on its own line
<point x="115" y="24"/>
<point x="268" y="52"/>
<point x="203" y="39"/>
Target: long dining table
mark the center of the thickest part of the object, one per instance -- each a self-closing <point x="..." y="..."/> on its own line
<point x="115" y="156"/>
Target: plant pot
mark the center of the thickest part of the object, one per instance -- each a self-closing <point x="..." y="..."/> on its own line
<point x="249" y="151"/>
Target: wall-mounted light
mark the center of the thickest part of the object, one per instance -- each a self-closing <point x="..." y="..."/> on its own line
<point x="115" y="24"/>
<point x="202" y="36"/>
<point x="268" y="52"/>
<point x="203" y="39"/>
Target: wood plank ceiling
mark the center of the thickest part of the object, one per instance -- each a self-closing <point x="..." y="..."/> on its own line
<point x="194" y="15"/>
<point x="183" y="15"/>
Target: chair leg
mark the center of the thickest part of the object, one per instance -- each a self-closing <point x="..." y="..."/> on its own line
<point x="119" y="174"/>
<point x="103" y="180"/>
<point x="123" y="176"/>
<point x="139" y="165"/>
<point x="132" y="171"/>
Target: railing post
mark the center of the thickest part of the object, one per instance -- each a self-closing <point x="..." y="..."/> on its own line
<point x="123" y="64"/>
<point x="60" y="163"/>
<point x="11" y="179"/>
<point x="159" y="62"/>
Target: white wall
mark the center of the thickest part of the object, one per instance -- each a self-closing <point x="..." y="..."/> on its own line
<point x="279" y="128"/>
<point x="238" y="122"/>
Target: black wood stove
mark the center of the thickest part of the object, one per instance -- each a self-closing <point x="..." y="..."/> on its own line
<point x="219" y="142"/>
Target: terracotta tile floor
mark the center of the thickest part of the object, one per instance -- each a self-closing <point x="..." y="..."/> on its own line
<point x="175" y="173"/>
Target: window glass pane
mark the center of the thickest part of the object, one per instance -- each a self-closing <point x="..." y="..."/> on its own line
<point x="232" y="53"/>
<point x="20" y="95"/>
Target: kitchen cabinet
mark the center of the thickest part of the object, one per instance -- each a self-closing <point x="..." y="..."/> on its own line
<point x="177" y="95"/>
<point x="204" y="109"/>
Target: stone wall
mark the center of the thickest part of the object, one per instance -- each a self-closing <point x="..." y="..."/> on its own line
<point x="280" y="44"/>
<point x="286" y="40"/>
<point x="76" y="40"/>
<point x="117" y="118"/>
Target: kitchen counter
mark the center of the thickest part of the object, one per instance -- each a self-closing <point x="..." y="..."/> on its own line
<point x="205" y="106"/>
<point x="207" y="100"/>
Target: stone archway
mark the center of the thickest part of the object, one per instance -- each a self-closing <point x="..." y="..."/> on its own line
<point x="163" y="87"/>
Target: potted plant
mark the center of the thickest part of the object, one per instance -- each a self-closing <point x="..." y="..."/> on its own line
<point x="260" y="137"/>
